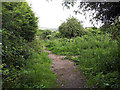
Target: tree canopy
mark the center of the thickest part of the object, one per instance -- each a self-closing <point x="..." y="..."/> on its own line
<point x="107" y="12"/>
<point x="71" y="28"/>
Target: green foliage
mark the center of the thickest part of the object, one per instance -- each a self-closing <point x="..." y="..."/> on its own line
<point x="96" y="55"/>
<point x="112" y="29"/>
<point x="90" y="31"/>
<point x="44" y="34"/>
<point x="71" y="28"/>
<point x="105" y="11"/>
<point x="18" y="18"/>
<point x="23" y="63"/>
<point x="38" y="72"/>
<point x="14" y="49"/>
<point x="33" y="72"/>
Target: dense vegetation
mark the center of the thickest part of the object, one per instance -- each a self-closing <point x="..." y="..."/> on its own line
<point x="95" y="51"/>
<point x="23" y="65"/>
<point x="96" y="55"/>
<point x="18" y="18"/>
<point x="109" y="14"/>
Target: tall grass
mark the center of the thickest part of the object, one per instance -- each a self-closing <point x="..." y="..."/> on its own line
<point x="37" y="72"/>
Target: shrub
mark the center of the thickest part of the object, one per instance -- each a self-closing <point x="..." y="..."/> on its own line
<point x="71" y="28"/>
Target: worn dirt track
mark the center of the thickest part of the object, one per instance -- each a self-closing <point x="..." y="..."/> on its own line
<point x="68" y="75"/>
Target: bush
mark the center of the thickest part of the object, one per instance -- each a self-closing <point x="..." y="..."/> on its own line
<point x="18" y="18"/>
<point x="71" y="28"/>
<point x="24" y="66"/>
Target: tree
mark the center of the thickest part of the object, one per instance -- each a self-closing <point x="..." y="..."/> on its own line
<point x="107" y="12"/>
<point x="17" y="17"/>
<point x="71" y="28"/>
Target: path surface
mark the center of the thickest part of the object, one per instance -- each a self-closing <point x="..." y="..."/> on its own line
<point x="68" y="75"/>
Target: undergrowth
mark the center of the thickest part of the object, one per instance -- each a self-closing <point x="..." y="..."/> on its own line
<point x="24" y="64"/>
<point x="96" y="56"/>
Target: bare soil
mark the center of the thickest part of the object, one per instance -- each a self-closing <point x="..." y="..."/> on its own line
<point x="67" y="74"/>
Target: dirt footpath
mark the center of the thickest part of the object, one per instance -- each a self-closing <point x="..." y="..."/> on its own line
<point x="67" y="74"/>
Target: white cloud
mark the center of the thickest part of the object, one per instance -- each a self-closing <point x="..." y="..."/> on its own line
<point x="51" y="14"/>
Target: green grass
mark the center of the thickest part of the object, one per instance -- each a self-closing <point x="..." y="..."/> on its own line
<point x="37" y="72"/>
<point x="34" y="73"/>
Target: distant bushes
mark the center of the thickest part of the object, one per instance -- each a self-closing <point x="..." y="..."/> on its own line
<point x="44" y="34"/>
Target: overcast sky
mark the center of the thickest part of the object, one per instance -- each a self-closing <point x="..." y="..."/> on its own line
<point x="51" y="14"/>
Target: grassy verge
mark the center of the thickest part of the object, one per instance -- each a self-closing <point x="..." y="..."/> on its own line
<point x="37" y="72"/>
<point x="34" y="72"/>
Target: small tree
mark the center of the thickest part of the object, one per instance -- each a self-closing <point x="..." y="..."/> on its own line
<point x="71" y="28"/>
